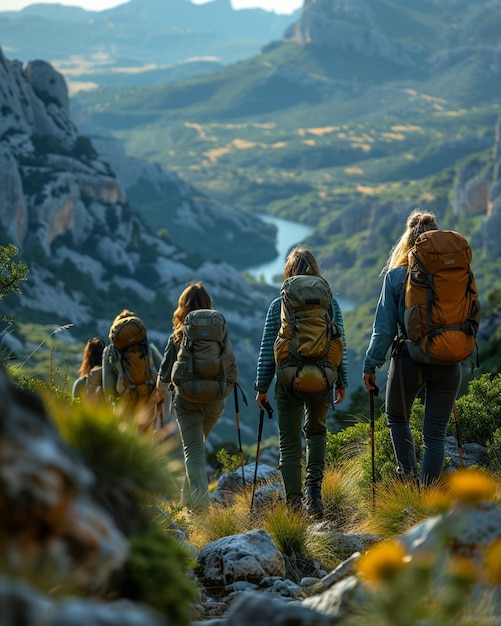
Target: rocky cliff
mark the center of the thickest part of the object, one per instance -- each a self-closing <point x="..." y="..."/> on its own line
<point x="89" y="251"/>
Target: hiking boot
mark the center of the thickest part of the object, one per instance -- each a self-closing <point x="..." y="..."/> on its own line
<point x="313" y="502"/>
<point x="314" y="507"/>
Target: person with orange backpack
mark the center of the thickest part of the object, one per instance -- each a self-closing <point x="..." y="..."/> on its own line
<point x="428" y="314"/>
<point x="130" y="365"/>
<point x="89" y="384"/>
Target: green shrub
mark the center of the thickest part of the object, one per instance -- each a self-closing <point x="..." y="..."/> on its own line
<point x="346" y="443"/>
<point x="155" y="574"/>
<point x="355" y="441"/>
<point x="494" y="450"/>
<point x="479" y="411"/>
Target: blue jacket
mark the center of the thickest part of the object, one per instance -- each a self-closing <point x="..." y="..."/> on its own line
<point x="266" y="359"/>
<point x="389" y="317"/>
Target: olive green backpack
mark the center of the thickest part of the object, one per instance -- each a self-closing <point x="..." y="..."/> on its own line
<point x="309" y="346"/>
<point x="206" y="368"/>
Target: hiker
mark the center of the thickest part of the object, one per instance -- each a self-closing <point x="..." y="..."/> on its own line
<point x="407" y="378"/>
<point x="89" y="384"/>
<point x="130" y="365"/>
<point x="290" y="398"/>
<point x="197" y="403"/>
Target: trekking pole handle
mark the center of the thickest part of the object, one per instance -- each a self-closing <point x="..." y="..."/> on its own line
<point x="268" y="407"/>
<point x="373" y="393"/>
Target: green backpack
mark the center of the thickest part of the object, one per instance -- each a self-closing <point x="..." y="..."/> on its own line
<point x="309" y="347"/>
<point x="206" y="368"/>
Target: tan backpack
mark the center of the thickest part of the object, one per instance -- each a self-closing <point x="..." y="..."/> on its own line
<point x="131" y="357"/>
<point x="309" y="347"/>
<point x="442" y="311"/>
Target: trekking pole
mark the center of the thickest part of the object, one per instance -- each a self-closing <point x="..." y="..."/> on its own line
<point x="372" y="393"/>
<point x="460" y="445"/>
<point x="258" y="449"/>
<point x="237" y="413"/>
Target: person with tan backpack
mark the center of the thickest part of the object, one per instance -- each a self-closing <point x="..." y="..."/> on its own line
<point x="130" y="365"/>
<point x="428" y="315"/>
<point x="304" y="346"/>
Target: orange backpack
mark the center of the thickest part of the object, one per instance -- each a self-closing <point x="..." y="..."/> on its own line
<point x="136" y="374"/>
<point x="442" y="311"/>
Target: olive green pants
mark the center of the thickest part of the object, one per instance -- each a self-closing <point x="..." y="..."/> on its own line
<point x="195" y="421"/>
<point x="291" y="408"/>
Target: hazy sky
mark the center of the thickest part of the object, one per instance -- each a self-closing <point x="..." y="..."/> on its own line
<point x="279" y="6"/>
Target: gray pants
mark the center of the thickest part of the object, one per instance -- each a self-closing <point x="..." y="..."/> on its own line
<point x="195" y="423"/>
<point x="440" y="384"/>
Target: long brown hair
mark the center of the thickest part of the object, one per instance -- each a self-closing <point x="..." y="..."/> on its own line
<point x="92" y="356"/>
<point x="301" y="261"/>
<point x="195" y="296"/>
<point x="418" y="222"/>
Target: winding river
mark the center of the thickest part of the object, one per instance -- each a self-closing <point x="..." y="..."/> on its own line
<point x="288" y="234"/>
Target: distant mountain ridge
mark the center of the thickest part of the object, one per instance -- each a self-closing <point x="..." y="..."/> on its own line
<point x="140" y="41"/>
<point x="361" y="112"/>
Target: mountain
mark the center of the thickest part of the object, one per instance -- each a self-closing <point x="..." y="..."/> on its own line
<point x="138" y="42"/>
<point x="360" y="113"/>
<point x="89" y="249"/>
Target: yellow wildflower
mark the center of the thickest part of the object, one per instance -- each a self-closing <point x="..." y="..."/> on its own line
<point x="471" y="487"/>
<point x="382" y="563"/>
<point x="492" y="562"/>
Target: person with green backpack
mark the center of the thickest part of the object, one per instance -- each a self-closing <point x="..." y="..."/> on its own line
<point x="304" y="346"/>
<point x="426" y="320"/>
<point x="200" y="369"/>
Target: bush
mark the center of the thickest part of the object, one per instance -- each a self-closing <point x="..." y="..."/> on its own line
<point x="494" y="450"/>
<point x="356" y="441"/>
<point x="155" y="574"/>
<point x="479" y="411"/>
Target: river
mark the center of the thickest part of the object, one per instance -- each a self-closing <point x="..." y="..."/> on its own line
<point x="288" y="234"/>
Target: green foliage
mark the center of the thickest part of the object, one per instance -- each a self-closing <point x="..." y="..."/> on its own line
<point x="489" y="354"/>
<point x="493" y="300"/>
<point x="355" y="442"/>
<point x="47" y="363"/>
<point x="156" y="574"/>
<point x="349" y="442"/>
<point x="494" y="450"/>
<point x="289" y="530"/>
<point x="130" y="469"/>
<point x="228" y="463"/>
<point x="12" y="273"/>
<point x="479" y="411"/>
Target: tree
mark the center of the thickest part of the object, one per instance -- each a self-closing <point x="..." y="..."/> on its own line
<point x="11" y="273"/>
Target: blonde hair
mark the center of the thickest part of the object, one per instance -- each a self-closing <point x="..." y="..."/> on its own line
<point x="194" y="297"/>
<point x="301" y="261"/>
<point x="92" y="356"/>
<point x="418" y="222"/>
